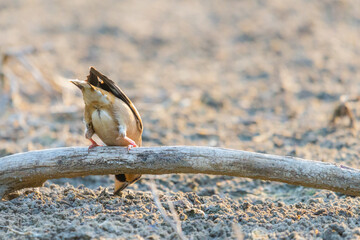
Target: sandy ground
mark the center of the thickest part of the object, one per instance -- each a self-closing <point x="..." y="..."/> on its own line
<point x="260" y="76"/>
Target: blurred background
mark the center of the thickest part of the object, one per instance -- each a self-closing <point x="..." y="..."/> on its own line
<point x="200" y="72"/>
<point x="261" y="76"/>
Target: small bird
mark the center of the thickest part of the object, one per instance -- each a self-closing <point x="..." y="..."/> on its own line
<point x="111" y="115"/>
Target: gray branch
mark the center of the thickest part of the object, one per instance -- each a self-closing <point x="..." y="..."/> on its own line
<point x="32" y="169"/>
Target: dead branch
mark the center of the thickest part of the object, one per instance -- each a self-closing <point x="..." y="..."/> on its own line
<point x="31" y="169"/>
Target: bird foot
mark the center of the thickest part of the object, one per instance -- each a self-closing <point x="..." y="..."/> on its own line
<point x="131" y="145"/>
<point x="94" y="144"/>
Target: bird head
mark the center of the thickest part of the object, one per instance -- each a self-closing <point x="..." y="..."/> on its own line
<point x="90" y="93"/>
<point x="82" y="85"/>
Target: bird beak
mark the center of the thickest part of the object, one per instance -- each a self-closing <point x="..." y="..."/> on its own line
<point x="77" y="83"/>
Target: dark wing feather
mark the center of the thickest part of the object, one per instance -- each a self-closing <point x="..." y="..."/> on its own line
<point x="109" y="86"/>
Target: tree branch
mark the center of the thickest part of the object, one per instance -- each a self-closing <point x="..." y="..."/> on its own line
<point x="32" y="169"/>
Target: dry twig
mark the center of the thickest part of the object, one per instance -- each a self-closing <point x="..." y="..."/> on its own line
<point x="20" y="233"/>
<point x="175" y="223"/>
<point x="35" y="72"/>
<point x="20" y="55"/>
<point x="31" y="169"/>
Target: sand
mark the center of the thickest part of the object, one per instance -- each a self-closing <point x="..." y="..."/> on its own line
<point x="260" y="76"/>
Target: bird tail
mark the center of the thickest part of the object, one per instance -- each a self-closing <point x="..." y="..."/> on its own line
<point x="124" y="180"/>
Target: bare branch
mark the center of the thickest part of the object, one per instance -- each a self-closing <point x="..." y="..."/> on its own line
<point x="31" y="169"/>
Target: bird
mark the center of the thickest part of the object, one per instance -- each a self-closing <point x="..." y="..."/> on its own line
<point x="111" y="115"/>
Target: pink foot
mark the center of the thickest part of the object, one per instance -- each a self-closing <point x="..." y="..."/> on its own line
<point x="132" y="143"/>
<point x="94" y="144"/>
<point x="129" y="147"/>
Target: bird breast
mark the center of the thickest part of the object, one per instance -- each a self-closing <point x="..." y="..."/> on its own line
<point x="105" y="126"/>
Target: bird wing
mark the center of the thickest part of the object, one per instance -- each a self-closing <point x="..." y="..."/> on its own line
<point x="108" y="85"/>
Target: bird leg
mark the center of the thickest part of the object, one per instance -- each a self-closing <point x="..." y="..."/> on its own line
<point x="122" y="132"/>
<point x="94" y="144"/>
<point x="89" y="132"/>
